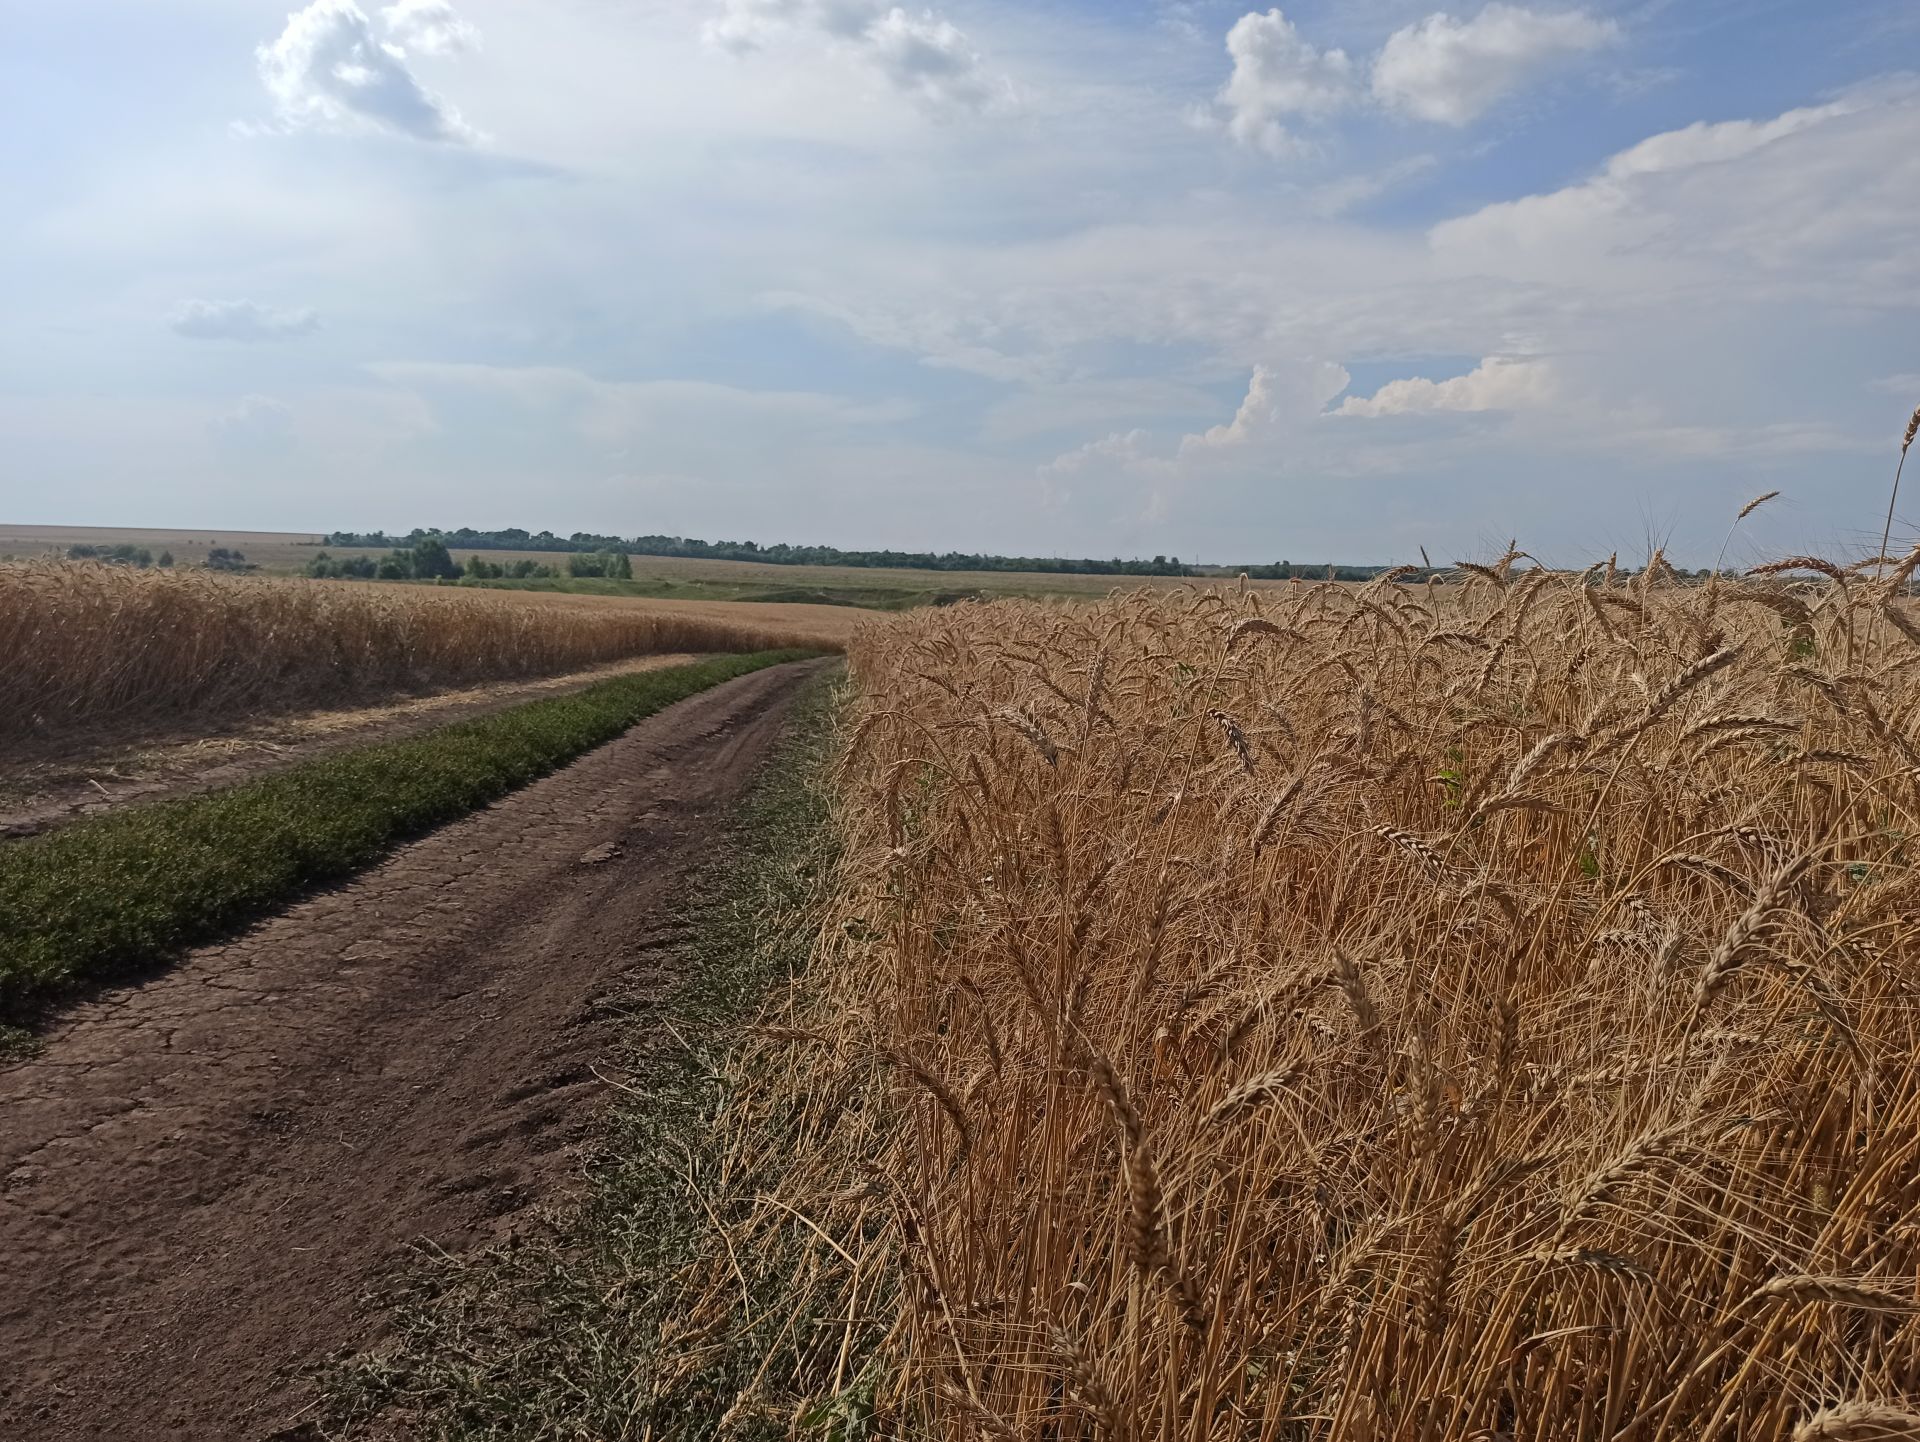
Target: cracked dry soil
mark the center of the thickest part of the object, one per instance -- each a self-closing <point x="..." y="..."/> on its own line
<point x="202" y="1176"/>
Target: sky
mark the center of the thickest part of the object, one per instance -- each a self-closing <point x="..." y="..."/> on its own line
<point x="1338" y="281"/>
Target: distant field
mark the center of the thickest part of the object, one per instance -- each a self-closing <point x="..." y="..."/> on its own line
<point x="273" y="550"/>
<point x="88" y="646"/>
<point x="667" y="577"/>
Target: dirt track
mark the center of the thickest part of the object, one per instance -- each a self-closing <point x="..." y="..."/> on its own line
<point x="201" y="1176"/>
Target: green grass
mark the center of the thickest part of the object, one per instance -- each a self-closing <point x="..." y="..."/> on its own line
<point x="580" y="1329"/>
<point x="131" y="887"/>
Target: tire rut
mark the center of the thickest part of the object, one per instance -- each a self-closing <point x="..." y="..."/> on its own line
<point x="201" y="1176"/>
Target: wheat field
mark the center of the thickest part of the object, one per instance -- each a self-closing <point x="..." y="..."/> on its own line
<point x="1361" y="1013"/>
<point x="84" y="645"/>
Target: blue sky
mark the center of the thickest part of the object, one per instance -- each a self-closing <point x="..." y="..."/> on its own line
<point x="1333" y="281"/>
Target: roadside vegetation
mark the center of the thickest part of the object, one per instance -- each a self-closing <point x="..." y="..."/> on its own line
<point x="133" y="886"/>
<point x="585" y="1328"/>
<point x="84" y="644"/>
<point x="1351" y="1013"/>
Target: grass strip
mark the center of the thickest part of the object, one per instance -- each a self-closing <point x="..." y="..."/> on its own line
<point x="582" y="1328"/>
<point x="132" y="886"/>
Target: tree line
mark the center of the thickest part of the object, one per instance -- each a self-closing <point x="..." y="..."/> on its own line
<point x="515" y="539"/>
<point x="427" y="558"/>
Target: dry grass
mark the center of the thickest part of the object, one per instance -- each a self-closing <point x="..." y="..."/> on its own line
<point x="85" y="645"/>
<point x="1362" y="1013"/>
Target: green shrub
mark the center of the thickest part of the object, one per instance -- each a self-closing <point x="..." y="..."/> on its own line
<point x="610" y="565"/>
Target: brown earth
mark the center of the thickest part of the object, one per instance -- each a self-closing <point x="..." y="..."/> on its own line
<point x="45" y="784"/>
<point x="201" y="1177"/>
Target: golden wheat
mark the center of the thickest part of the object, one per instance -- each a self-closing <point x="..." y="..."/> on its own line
<point x="84" y="644"/>
<point x="1360" y="1038"/>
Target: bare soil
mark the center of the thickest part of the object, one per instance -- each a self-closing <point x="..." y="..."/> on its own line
<point x="203" y="1177"/>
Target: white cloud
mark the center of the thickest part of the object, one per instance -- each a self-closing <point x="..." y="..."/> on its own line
<point x="1498" y="383"/>
<point x="922" y="55"/>
<point x="1905" y="384"/>
<point x="1276" y="73"/>
<point x="1277" y="397"/>
<point x="1708" y="144"/>
<point x="1794" y="195"/>
<point x="329" y="71"/>
<point x="1450" y="71"/>
<point x="927" y="57"/>
<point x="1121" y="448"/>
<point x="431" y="27"/>
<point x="240" y="320"/>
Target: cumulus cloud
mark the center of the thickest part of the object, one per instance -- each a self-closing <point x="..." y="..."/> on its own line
<point x="1627" y="206"/>
<point x="431" y="27"/>
<point x="240" y="320"/>
<point x="1122" y="447"/>
<point x="1277" y="73"/>
<point x="1276" y="397"/>
<point x="1440" y="69"/>
<point x="330" y="71"/>
<point x="1451" y="71"/>
<point x="1498" y="383"/>
<point x="926" y="57"/>
<point x="922" y="55"/>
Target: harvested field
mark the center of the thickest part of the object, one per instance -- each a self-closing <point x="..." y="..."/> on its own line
<point x="1357" y="1013"/>
<point x="87" y="645"/>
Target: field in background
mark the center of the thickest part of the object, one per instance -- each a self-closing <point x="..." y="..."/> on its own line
<point x="668" y="577"/>
<point x="277" y="551"/>
<point x="85" y="645"/>
<point x="1355" y="1014"/>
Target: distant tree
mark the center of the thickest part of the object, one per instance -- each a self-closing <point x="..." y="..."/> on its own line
<point x="432" y="561"/>
<point x="222" y="559"/>
<point x="166" y="559"/>
<point x="342" y="567"/>
<point x="611" y="564"/>
<point x="124" y="554"/>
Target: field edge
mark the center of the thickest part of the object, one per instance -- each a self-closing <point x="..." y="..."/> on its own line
<point x="570" y="1332"/>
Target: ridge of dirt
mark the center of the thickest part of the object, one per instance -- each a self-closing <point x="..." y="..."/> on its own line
<point x="201" y="1177"/>
<point x="62" y="781"/>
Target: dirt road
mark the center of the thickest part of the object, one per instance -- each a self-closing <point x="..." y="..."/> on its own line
<point x="201" y="1176"/>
